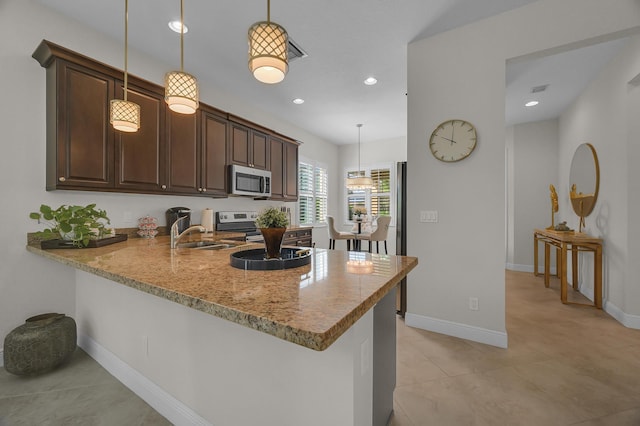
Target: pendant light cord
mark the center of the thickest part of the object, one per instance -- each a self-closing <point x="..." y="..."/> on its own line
<point x="359" y="127"/>
<point x="126" y="44"/>
<point x="181" y="36"/>
<point x="268" y="11"/>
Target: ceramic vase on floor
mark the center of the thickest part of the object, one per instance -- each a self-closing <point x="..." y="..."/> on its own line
<point x="41" y="344"/>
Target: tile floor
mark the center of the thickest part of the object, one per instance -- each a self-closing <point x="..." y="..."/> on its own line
<point x="566" y="365"/>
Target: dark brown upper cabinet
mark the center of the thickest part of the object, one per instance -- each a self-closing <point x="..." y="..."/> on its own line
<point x="182" y="146"/>
<point x="197" y="147"/>
<point x="170" y="154"/>
<point x="140" y="156"/>
<point x="213" y="136"/>
<point x="248" y="144"/>
<point x="284" y="169"/>
<point x="82" y="153"/>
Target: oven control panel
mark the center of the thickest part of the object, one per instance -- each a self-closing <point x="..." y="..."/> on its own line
<point x="229" y="217"/>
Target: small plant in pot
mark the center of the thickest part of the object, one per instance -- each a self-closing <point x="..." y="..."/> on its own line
<point x="272" y="223"/>
<point x="77" y="224"/>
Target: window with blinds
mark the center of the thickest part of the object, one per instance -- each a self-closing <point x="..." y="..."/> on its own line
<point x="377" y="201"/>
<point x="381" y="192"/>
<point x="312" y="193"/>
<point x="356" y="198"/>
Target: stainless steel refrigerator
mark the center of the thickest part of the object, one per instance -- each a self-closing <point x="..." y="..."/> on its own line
<point x="401" y="231"/>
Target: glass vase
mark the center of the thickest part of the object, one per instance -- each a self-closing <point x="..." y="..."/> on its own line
<point x="272" y="241"/>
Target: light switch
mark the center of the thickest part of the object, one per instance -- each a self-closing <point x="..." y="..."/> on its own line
<point x="429" y="216"/>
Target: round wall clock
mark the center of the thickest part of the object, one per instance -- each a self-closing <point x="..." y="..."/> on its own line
<point x="453" y="140"/>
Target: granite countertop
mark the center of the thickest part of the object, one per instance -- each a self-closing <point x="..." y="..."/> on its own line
<point x="310" y="305"/>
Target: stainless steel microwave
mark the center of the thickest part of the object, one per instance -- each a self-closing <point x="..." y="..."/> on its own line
<point x="249" y="181"/>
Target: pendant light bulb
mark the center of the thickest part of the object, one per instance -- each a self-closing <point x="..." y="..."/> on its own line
<point x="124" y="115"/>
<point x="268" y="50"/>
<point x="181" y="89"/>
<point x="359" y="182"/>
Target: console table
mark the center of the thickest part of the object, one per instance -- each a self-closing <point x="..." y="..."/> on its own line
<point x="576" y="242"/>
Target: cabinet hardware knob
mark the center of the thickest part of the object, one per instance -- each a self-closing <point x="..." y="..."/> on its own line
<point x="164" y="187"/>
<point x="62" y="179"/>
<point x="204" y="189"/>
<point x="199" y="189"/>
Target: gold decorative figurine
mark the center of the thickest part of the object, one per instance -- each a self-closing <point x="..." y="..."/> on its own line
<point x="554" y="205"/>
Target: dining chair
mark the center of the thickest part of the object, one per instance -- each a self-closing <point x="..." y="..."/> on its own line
<point x="379" y="234"/>
<point x="334" y="235"/>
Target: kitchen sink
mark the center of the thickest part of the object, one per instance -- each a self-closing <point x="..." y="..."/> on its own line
<point x="205" y="245"/>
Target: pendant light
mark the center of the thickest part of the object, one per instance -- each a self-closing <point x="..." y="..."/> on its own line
<point x="359" y="182"/>
<point x="181" y="89"/>
<point x="125" y="115"/>
<point x="268" y="50"/>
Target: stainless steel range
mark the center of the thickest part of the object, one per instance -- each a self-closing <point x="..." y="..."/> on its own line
<point x="239" y="222"/>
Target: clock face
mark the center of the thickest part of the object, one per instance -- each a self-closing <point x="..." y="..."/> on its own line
<point x="453" y="140"/>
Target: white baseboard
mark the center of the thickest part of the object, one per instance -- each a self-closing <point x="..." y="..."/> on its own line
<point x="164" y="403"/>
<point x="463" y="331"/>
<point x="528" y="268"/>
<point x="628" y="320"/>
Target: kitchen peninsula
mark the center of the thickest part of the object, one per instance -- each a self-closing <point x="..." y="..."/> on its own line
<point x="285" y="347"/>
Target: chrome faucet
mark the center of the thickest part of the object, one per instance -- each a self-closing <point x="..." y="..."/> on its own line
<point x="176" y="236"/>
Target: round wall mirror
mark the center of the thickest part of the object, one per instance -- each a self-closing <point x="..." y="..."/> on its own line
<point x="584" y="181"/>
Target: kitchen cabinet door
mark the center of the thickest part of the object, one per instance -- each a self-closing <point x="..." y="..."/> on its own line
<point x="284" y="169"/>
<point x="277" y="171"/>
<point x="80" y="140"/>
<point x="213" y="150"/>
<point x="140" y="156"/>
<point x="248" y="146"/>
<point x="182" y="153"/>
<point x="259" y="150"/>
<point x="290" y="164"/>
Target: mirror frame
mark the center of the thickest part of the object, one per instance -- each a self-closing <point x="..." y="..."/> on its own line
<point x="578" y="203"/>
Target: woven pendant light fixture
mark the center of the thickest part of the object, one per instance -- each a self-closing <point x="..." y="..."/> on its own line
<point x="125" y="115"/>
<point x="359" y="182"/>
<point x="180" y="88"/>
<point x="268" y="50"/>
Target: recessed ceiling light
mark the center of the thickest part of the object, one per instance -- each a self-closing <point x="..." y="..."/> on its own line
<point x="370" y="81"/>
<point x="298" y="101"/>
<point x="531" y="103"/>
<point x="176" y="25"/>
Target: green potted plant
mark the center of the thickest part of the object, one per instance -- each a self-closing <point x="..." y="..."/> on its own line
<point x="272" y="223"/>
<point x="77" y="224"/>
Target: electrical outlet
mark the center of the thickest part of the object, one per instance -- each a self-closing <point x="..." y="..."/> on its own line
<point x="429" y="216"/>
<point x="473" y="303"/>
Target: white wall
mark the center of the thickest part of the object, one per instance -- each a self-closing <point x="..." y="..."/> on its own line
<point x="461" y="74"/>
<point x="535" y="167"/>
<point x="606" y="115"/>
<point x="30" y="284"/>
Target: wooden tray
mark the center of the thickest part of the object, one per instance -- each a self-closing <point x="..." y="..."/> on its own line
<point x="64" y="244"/>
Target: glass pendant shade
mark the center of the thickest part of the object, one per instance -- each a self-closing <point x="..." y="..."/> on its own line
<point x="359" y="182"/>
<point x="124" y="115"/>
<point x="268" y="51"/>
<point x="181" y="92"/>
